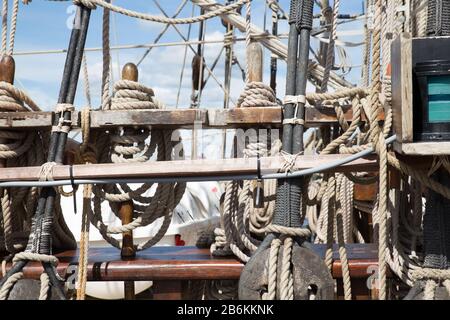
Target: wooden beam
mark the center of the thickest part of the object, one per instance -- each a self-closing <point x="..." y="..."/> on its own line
<point x="168" y="118"/>
<point x="402" y="87"/>
<point x="186" y="168"/>
<point x="244" y="117"/>
<point x="174" y="118"/>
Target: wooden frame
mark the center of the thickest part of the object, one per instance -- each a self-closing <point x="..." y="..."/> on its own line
<point x="402" y="102"/>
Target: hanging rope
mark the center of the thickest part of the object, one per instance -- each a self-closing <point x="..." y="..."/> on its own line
<point x="120" y="148"/>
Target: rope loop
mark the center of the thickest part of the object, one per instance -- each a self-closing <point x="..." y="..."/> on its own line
<point x="288" y="231"/>
<point x="38" y="257"/>
<point x="46" y="171"/>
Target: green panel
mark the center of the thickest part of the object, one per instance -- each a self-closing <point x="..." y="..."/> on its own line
<point x="439" y="98"/>
<point x="439" y="111"/>
<point x="438" y="85"/>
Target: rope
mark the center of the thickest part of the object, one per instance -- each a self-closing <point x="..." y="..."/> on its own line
<point x="18" y="149"/>
<point x="84" y="244"/>
<point x="257" y="94"/>
<point x="9" y="284"/>
<point x="430" y="273"/>
<point x="272" y="264"/>
<point x="46" y="171"/>
<point x="341" y="238"/>
<point x="4" y="26"/>
<point x="139" y="15"/>
<point x="248" y="38"/>
<point x="239" y="217"/>
<point x="130" y="147"/>
<point x="45" y="286"/>
<point x="29" y="256"/>
<point x="13" y="99"/>
<point x="8" y="49"/>
<point x="106" y="73"/>
<point x="87" y="90"/>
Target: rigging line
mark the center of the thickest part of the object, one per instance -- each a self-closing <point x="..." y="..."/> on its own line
<point x="265" y="16"/>
<point x="193" y="50"/>
<point x="323" y="29"/>
<point x="163" y="31"/>
<point x="116" y="40"/>
<point x="213" y="66"/>
<point x="238" y="64"/>
<point x="202" y="62"/>
<point x="140" y="46"/>
<point x="184" y="61"/>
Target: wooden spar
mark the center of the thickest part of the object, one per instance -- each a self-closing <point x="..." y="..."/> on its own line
<point x="175" y="118"/>
<point x="187" y="168"/>
<point x="126" y="209"/>
<point x="255" y="74"/>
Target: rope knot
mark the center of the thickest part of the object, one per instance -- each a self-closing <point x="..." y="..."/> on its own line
<point x="46" y="171"/>
<point x="63" y="107"/>
<point x="289" y="161"/>
<point x="63" y="125"/>
<point x="228" y="38"/>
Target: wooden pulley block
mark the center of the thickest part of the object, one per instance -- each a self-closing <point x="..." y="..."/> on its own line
<point x="198" y="63"/>
<point x="7" y="69"/>
<point x="310" y="274"/>
<point x="366" y="192"/>
<point x="7" y="72"/>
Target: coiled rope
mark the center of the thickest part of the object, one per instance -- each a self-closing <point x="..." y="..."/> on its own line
<point x="125" y="147"/>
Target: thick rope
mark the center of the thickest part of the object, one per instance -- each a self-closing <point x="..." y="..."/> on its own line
<point x="160" y="19"/>
<point x="257" y="94"/>
<point x="106" y="56"/>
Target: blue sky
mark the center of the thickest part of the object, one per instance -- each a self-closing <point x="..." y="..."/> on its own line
<point x="42" y="25"/>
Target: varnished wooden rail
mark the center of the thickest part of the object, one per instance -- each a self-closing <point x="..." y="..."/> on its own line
<point x="186" y="263"/>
